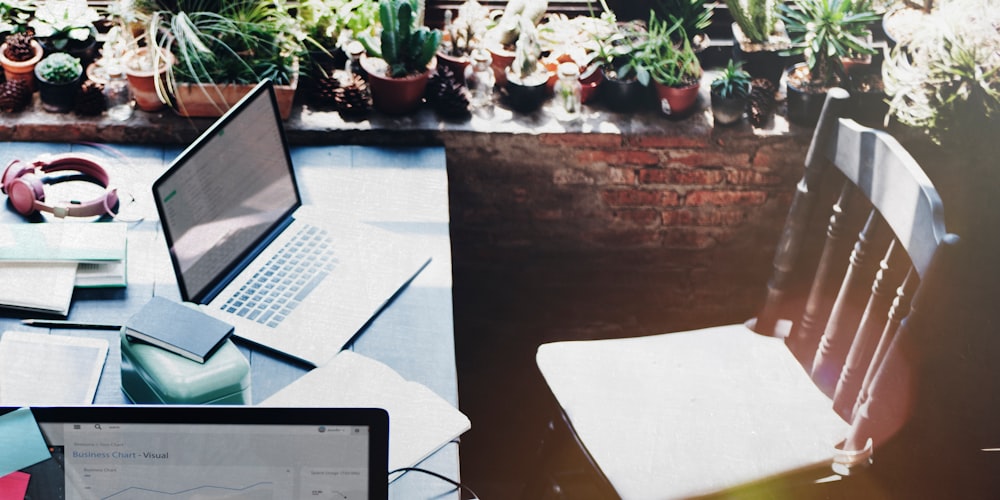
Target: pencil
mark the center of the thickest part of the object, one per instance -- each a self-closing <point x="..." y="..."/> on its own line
<point x="57" y="323"/>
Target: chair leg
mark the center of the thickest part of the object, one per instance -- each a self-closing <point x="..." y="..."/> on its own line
<point x="563" y="469"/>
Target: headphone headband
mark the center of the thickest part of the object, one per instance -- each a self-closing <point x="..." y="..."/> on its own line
<point x="26" y="188"/>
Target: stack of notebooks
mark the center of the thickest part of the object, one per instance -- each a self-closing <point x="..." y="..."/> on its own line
<point x="40" y="264"/>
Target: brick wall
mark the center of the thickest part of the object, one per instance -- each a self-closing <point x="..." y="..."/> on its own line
<point x="672" y="224"/>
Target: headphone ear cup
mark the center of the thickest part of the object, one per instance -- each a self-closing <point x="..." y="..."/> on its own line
<point x="14" y="170"/>
<point x="24" y="191"/>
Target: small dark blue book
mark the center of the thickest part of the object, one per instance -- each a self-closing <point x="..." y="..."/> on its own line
<point x="178" y="328"/>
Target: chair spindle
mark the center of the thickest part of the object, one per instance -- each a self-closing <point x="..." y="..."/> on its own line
<point x="845" y="317"/>
<point x="889" y="277"/>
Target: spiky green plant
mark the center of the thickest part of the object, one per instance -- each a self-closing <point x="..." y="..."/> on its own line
<point x="947" y="81"/>
<point x="660" y="58"/>
<point x="734" y="81"/>
<point x="694" y="16"/>
<point x="756" y="18"/>
<point x="825" y="31"/>
<point x="404" y="45"/>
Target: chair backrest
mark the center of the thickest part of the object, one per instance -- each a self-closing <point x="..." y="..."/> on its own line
<point x="847" y="298"/>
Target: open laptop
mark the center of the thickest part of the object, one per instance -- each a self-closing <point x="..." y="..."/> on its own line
<point x="288" y="277"/>
<point x="211" y="452"/>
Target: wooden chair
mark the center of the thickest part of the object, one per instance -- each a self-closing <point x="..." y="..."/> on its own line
<point x="818" y="381"/>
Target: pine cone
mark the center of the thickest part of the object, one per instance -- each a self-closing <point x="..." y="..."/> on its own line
<point x="354" y="98"/>
<point x="761" y="104"/>
<point x="90" y="100"/>
<point x="447" y="94"/>
<point x="19" y="47"/>
<point x="15" y="95"/>
<point x="323" y="94"/>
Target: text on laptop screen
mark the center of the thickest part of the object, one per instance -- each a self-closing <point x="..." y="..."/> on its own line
<point x="160" y="461"/>
<point x="226" y="193"/>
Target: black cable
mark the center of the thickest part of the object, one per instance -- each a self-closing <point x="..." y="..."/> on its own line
<point x="446" y="479"/>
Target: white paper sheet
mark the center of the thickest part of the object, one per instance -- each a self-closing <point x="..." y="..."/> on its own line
<point x="420" y="421"/>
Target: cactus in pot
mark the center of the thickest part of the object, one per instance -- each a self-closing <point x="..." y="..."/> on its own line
<point x="398" y="64"/>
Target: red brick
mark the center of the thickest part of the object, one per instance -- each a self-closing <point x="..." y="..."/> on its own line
<point x="639" y="216"/>
<point x="640" y="198"/>
<point x="669" y="141"/>
<point x="712" y="217"/>
<point x="599" y="141"/>
<point x="571" y="176"/>
<point x="621" y="175"/>
<point x="694" y="158"/>
<point x="680" y="176"/>
<point x="618" y="157"/>
<point x="744" y="177"/>
<point x="725" y="198"/>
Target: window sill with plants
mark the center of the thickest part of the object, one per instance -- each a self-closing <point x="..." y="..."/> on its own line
<point x="547" y="119"/>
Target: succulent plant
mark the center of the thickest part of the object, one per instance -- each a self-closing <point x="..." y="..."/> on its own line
<point x="734" y="81"/>
<point x="525" y="67"/>
<point x="406" y="47"/>
<point x="59" y="67"/>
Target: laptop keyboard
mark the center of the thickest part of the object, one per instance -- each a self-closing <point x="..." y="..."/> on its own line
<point x="281" y="284"/>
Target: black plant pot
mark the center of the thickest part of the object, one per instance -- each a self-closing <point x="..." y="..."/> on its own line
<point x="762" y="63"/>
<point x="525" y="98"/>
<point x="868" y="108"/>
<point x="58" y="97"/>
<point x="804" y="105"/>
<point x="623" y="96"/>
<point x="84" y="50"/>
<point x="760" y="60"/>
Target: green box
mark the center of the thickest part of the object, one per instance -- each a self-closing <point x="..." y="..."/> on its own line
<point x="151" y="375"/>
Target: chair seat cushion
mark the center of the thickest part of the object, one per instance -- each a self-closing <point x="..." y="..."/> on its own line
<point x="691" y="413"/>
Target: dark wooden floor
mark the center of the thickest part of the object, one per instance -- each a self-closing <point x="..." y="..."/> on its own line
<point x="503" y="311"/>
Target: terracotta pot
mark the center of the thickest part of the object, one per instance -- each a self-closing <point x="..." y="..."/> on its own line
<point x="21" y="70"/>
<point x="457" y="64"/>
<point x="677" y="101"/>
<point x="143" y="81"/>
<point x="211" y="101"/>
<point x="502" y="60"/>
<point x="395" y="96"/>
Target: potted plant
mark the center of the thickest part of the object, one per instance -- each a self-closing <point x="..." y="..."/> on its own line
<point x="729" y="93"/>
<point x="400" y="63"/>
<point x="825" y="32"/>
<point x="673" y="66"/>
<point x="759" y="38"/>
<point x="946" y="82"/>
<point x="59" y="76"/>
<point x="19" y="55"/>
<point x="15" y="15"/>
<point x="526" y="86"/>
<point x="693" y="16"/>
<point x="625" y="85"/>
<point x="67" y="26"/>
<point x="503" y="35"/>
<point x="219" y="56"/>
<point x="463" y="34"/>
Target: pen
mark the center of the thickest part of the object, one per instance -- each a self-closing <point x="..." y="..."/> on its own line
<point x="57" y="323"/>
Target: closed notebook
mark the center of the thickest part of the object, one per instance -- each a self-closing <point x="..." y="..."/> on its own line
<point x="178" y="328"/>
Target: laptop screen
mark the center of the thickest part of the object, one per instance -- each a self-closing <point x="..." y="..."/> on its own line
<point x="130" y="452"/>
<point x="226" y="193"/>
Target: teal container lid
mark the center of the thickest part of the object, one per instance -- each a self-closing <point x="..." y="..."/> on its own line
<point x="176" y="379"/>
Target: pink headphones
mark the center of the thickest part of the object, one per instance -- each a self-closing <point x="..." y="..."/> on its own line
<point x="26" y="188"/>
